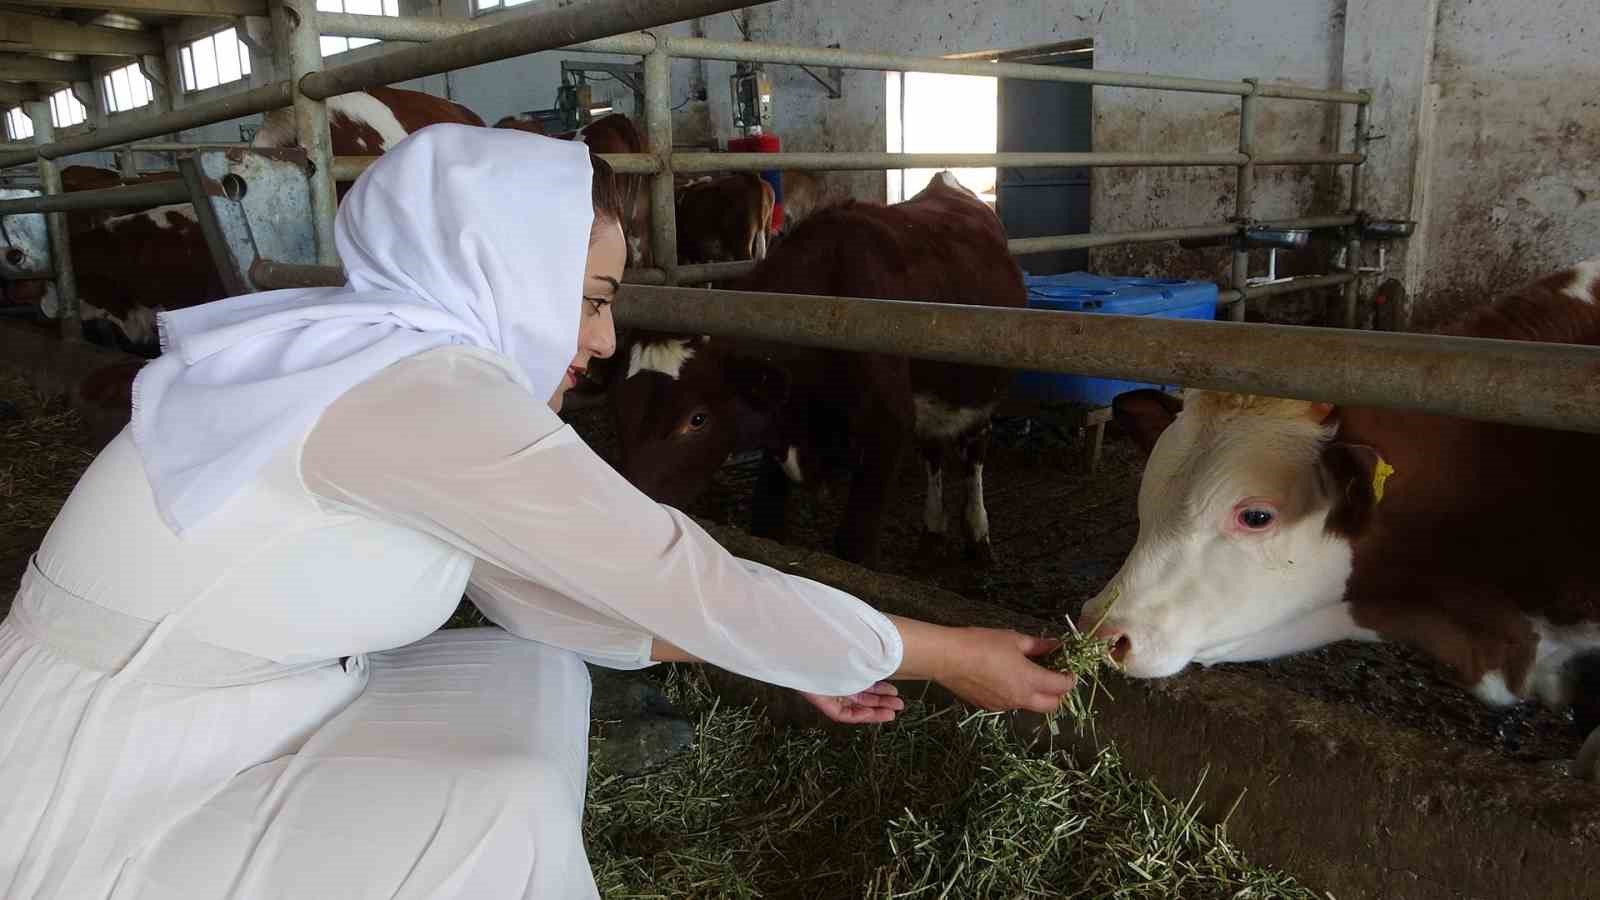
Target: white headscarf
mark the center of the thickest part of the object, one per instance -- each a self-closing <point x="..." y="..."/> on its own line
<point x="457" y="235"/>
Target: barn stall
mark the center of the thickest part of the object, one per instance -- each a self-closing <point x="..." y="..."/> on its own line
<point x="1316" y="762"/>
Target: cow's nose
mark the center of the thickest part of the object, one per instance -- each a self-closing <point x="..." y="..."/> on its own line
<point x="15" y="257"/>
<point x="1121" y="644"/>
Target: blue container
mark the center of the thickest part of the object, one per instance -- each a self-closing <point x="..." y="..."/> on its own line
<point x="1083" y="292"/>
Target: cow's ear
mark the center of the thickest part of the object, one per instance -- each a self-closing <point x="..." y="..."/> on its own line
<point x="758" y="383"/>
<point x="1357" y="476"/>
<point x="1145" y="414"/>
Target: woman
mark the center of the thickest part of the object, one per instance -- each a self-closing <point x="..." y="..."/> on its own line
<point x="220" y="676"/>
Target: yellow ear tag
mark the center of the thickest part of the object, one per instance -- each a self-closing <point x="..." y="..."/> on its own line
<point x="1380" y="474"/>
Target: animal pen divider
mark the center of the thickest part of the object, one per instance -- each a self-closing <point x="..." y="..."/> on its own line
<point x="1325" y="794"/>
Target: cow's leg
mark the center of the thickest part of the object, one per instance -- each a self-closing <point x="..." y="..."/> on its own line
<point x="760" y="244"/>
<point x="883" y="448"/>
<point x="973" y="450"/>
<point x="770" y="500"/>
<point x="934" y="522"/>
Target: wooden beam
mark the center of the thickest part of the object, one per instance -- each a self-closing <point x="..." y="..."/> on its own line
<point x="21" y="31"/>
<point x="218" y="9"/>
<point x="20" y="67"/>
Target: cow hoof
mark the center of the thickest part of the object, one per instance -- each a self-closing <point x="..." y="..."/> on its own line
<point x="1587" y="766"/>
<point x="981" y="554"/>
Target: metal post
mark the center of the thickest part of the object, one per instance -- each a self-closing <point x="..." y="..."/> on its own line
<point x="1352" y="291"/>
<point x="658" y="126"/>
<point x="56" y="229"/>
<point x="296" y="41"/>
<point x="1244" y="194"/>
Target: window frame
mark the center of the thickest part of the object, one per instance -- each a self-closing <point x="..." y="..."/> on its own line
<point x="331" y="45"/>
<point x="108" y="91"/>
<point x="66" y="99"/>
<point x="189" y="68"/>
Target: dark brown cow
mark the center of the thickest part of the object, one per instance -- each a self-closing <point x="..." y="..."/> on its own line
<point x="1269" y="527"/>
<point x="724" y="218"/>
<point x="688" y="402"/>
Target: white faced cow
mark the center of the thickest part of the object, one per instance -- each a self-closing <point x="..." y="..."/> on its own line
<point x="1268" y="527"/>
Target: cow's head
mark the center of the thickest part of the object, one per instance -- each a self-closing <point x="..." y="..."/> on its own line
<point x="683" y="405"/>
<point x="1245" y="516"/>
<point x="24" y="246"/>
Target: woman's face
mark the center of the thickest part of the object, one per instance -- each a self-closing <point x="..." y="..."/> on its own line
<point x="597" y="334"/>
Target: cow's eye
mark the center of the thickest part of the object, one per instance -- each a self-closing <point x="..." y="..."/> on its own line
<point x="1255" y="518"/>
<point x="698" y="421"/>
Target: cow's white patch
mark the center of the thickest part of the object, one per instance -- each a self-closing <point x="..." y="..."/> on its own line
<point x="160" y="216"/>
<point x="977" y="515"/>
<point x="363" y="108"/>
<point x="666" y="357"/>
<point x="277" y="129"/>
<point x="1558" y="645"/>
<point x="1586" y="281"/>
<point x="791" y="466"/>
<point x="139" y="325"/>
<point x="27" y="235"/>
<point x="1491" y="689"/>
<point x="933" y="509"/>
<point x="939" y="420"/>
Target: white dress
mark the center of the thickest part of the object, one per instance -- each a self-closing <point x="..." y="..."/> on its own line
<point x="263" y="709"/>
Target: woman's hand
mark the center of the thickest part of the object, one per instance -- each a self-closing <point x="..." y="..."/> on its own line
<point x="986" y="667"/>
<point x="878" y="703"/>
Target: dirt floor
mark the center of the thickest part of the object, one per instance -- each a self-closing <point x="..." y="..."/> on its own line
<point x="1059" y="534"/>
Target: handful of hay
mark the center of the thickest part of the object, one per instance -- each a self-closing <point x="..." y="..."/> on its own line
<point x="1086" y="658"/>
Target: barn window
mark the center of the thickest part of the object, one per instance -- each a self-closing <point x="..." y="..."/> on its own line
<point x="66" y="110"/>
<point x="332" y="45"/>
<point x="933" y="113"/>
<point x="214" y="59"/>
<point x="18" y="126"/>
<point x="484" y="6"/>
<point x="125" y="88"/>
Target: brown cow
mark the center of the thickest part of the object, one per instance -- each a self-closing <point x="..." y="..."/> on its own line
<point x="688" y="402"/>
<point x="1268" y="527"/>
<point x="724" y="218"/>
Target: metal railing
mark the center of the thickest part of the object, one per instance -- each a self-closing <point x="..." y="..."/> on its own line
<point x="1496" y="380"/>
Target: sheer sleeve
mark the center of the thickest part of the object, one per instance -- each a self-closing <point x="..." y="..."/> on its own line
<point x="451" y="444"/>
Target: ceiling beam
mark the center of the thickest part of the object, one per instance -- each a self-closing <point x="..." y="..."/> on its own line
<point x="20" y="67"/>
<point x="219" y="9"/>
<point x="21" y="31"/>
<point x="12" y="94"/>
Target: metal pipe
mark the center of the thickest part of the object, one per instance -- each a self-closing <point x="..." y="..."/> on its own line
<point x="294" y="25"/>
<point x="1310" y="159"/>
<point x="1352" y="291"/>
<point x="426" y="29"/>
<point x="1336" y="221"/>
<point x="658" y="133"/>
<point x="1244" y="196"/>
<point x="155" y="193"/>
<point x="269" y="275"/>
<point x="1281" y="91"/>
<point x="180" y="147"/>
<point x="256" y="100"/>
<point x="1021" y="246"/>
<point x="66" y="277"/>
<point x="546" y="27"/>
<point x="1520" y="383"/>
<point x="741" y="51"/>
<point x="757" y="162"/>
<point x="1297" y="285"/>
<point x="349" y="168"/>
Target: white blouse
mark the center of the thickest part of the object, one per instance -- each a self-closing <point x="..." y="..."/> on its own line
<point x="567" y="552"/>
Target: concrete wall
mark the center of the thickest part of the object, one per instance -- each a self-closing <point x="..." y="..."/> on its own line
<point x="1515" y="175"/>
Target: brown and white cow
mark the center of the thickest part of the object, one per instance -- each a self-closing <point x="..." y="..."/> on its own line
<point x="724" y="218"/>
<point x="1269" y="527"/>
<point x="688" y="402"/>
<point x="130" y="264"/>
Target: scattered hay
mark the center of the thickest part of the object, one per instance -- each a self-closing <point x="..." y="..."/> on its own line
<point x="41" y="457"/>
<point x="940" y="804"/>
